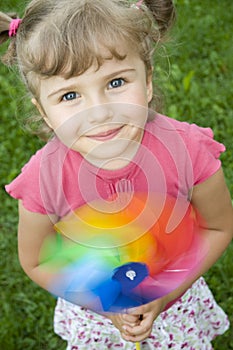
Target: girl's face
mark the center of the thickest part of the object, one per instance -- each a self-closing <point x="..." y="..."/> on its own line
<point x="101" y="113"/>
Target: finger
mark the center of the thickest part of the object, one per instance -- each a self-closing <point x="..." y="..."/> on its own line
<point x="144" y="327"/>
<point x="135" y="338"/>
<point x="131" y="319"/>
<point x="130" y="325"/>
<point x="140" y="310"/>
<point x="137" y="333"/>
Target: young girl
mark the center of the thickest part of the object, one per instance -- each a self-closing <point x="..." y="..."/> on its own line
<point x="88" y="65"/>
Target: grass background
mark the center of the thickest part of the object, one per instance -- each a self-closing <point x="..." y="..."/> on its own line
<point x="197" y="84"/>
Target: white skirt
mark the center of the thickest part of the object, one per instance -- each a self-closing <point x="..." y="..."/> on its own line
<point x="190" y="324"/>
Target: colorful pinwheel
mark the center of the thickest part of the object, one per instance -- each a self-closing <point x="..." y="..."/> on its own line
<point x="112" y="255"/>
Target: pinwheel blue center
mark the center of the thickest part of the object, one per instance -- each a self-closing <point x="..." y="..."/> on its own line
<point x="130" y="275"/>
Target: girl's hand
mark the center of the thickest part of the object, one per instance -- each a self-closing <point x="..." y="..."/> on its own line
<point x="137" y="324"/>
<point x="120" y="321"/>
<point x="145" y="316"/>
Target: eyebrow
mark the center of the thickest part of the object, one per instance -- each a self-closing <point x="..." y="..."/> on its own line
<point x="64" y="89"/>
<point x="73" y="87"/>
<point x="126" y="70"/>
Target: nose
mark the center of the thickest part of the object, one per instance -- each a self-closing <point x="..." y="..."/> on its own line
<point x="100" y="113"/>
<point x="100" y="110"/>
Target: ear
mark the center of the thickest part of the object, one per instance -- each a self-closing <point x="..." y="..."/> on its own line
<point x="41" y="111"/>
<point x="149" y="85"/>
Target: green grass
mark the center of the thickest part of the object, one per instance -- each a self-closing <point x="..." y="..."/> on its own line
<point x="198" y="90"/>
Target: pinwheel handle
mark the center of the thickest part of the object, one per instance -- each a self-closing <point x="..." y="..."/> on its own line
<point x="138" y="347"/>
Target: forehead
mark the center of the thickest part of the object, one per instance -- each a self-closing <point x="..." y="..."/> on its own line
<point x="110" y="68"/>
<point x="105" y="59"/>
<point x="105" y="64"/>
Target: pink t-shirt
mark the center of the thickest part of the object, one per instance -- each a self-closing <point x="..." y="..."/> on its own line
<point x="173" y="157"/>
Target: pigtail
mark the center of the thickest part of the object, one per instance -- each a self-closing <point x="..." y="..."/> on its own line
<point x="5" y="20"/>
<point x="163" y="12"/>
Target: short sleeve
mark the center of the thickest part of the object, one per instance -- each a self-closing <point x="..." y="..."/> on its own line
<point x="26" y="187"/>
<point x="204" y="151"/>
<point x="48" y="183"/>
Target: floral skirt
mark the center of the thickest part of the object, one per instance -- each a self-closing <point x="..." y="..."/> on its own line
<point x="190" y="324"/>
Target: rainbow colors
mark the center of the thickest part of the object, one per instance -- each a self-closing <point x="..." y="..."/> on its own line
<point x="112" y="255"/>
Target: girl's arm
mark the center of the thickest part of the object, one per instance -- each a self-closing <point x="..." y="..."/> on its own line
<point x="212" y="201"/>
<point x="32" y="230"/>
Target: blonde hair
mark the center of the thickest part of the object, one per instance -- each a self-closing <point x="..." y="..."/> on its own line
<point x="59" y="37"/>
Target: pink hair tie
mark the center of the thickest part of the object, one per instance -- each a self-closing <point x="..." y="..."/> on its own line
<point x="137" y="5"/>
<point x="14" y="26"/>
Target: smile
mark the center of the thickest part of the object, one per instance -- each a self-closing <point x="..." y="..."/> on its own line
<point x="106" y="135"/>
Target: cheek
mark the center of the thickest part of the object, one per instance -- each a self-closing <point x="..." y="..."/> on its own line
<point x="58" y="118"/>
<point x="141" y="95"/>
<point x="69" y="128"/>
<point x="134" y="113"/>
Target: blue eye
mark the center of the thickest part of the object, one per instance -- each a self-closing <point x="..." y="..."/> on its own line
<point x="70" y="96"/>
<point x="116" y="83"/>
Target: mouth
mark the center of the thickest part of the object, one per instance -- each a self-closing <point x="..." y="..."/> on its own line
<point x="106" y="135"/>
